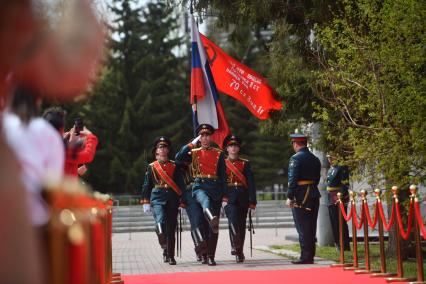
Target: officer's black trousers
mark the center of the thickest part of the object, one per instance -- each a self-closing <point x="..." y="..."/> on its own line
<point x="237" y="216"/>
<point x="306" y="226"/>
<point x="333" y="212"/>
<point x="166" y="215"/>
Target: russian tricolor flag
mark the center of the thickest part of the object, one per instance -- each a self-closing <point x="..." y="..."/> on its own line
<point x="206" y="107"/>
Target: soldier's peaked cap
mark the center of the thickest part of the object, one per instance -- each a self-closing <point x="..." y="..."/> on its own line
<point x="298" y="137"/>
<point x="231" y="140"/>
<point x="205" y="129"/>
<point x="162" y="140"/>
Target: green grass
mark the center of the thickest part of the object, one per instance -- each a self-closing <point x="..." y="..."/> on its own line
<point x="330" y="253"/>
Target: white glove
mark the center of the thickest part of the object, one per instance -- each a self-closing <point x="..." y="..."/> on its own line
<point x="194" y="142"/>
<point x="253" y="211"/>
<point x="224" y="203"/>
<point x="146" y="208"/>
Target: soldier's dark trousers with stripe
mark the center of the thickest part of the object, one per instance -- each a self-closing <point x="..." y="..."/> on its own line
<point x="166" y="216"/>
<point x="306" y="226"/>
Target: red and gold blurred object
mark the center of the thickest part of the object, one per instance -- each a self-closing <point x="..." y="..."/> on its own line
<point x="59" y="56"/>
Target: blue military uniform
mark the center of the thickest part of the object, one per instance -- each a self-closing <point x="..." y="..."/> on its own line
<point x="304" y="173"/>
<point x="164" y="199"/>
<point x="338" y="181"/>
<point x="241" y="196"/>
<point x="209" y="174"/>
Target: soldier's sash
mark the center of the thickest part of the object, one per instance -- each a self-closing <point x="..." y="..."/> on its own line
<point x="166" y="178"/>
<point x="236" y="172"/>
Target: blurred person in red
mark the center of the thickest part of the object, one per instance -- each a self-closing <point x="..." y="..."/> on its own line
<point x="81" y="149"/>
<point x="80" y="142"/>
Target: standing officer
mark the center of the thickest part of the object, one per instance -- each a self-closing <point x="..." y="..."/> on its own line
<point x="162" y="189"/>
<point x="241" y="194"/>
<point x="209" y="173"/>
<point x="304" y="173"/>
<point x="337" y="181"/>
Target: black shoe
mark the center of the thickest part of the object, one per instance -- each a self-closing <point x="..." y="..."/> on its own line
<point x="172" y="261"/>
<point x="240" y="258"/>
<point x="199" y="258"/>
<point x="205" y="260"/>
<point x="233" y="252"/>
<point x="301" y="261"/>
<point x="211" y="261"/>
<point x="165" y="258"/>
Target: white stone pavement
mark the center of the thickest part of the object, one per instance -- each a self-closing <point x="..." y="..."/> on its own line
<point x="139" y="253"/>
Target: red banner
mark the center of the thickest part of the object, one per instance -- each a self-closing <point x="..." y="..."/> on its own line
<point x="240" y="82"/>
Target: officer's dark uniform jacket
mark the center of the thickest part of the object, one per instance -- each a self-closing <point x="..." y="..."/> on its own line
<point x="338" y="181"/>
<point x="156" y="191"/>
<point x="208" y="169"/>
<point x="237" y="193"/>
<point x="304" y="173"/>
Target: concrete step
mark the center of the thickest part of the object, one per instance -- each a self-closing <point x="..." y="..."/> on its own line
<point x="150" y="222"/>
<point x="147" y="217"/>
<point x="186" y="227"/>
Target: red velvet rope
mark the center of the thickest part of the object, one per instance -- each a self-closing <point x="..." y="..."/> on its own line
<point x="386" y="226"/>
<point x="367" y="213"/>
<point x="420" y="219"/>
<point x="404" y="234"/>
<point x="359" y="224"/>
<point x="342" y="209"/>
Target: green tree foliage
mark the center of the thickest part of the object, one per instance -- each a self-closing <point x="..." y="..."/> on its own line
<point x="142" y="94"/>
<point x="373" y="88"/>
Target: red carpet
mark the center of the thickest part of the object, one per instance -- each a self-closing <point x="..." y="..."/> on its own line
<point x="309" y="275"/>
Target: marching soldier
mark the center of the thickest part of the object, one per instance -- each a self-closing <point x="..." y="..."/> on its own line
<point x="241" y="194"/>
<point x="209" y="173"/>
<point x="337" y="181"/>
<point x="304" y="173"/>
<point x="162" y="190"/>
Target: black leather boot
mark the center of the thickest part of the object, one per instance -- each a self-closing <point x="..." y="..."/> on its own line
<point x="213" y="220"/>
<point x="211" y="261"/>
<point x="161" y="236"/>
<point x="205" y="260"/>
<point x="165" y="258"/>
<point x="172" y="260"/>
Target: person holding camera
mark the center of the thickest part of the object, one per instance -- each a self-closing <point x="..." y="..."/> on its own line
<point x="81" y="148"/>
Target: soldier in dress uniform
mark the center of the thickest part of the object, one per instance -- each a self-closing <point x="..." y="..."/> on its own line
<point x="241" y="194"/>
<point x="162" y="189"/>
<point x="304" y="173"/>
<point x="209" y="173"/>
<point x="337" y="181"/>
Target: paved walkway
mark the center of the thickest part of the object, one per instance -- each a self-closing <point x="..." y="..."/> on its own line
<point x="139" y="253"/>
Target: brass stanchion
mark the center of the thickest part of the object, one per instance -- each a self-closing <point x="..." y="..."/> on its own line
<point x="382" y="272"/>
<point x="366" y="268"/>
<point x="355" y="264"/>
<point x="400" y="270"/>
<point x="342" y="248"/>
<point x="419" y="253"/>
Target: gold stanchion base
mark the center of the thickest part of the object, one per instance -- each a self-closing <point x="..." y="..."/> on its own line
<point x="399" y="279"/>
<point x="352" y="268"/>
<point x="116" y="282"/>
<point x="362" y="270"/>
<point x="383" y="274"/>
<point x="341" y="265"/>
